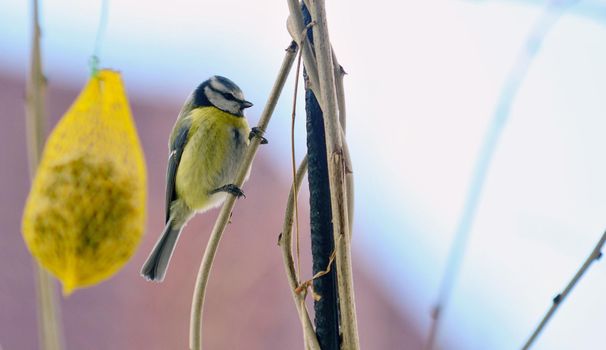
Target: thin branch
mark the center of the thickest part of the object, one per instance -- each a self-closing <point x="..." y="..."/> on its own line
<point x="482" y="164"/>
<point x="349" y="187"/>
<point x="596" y="254"/>
<point x="195" y="331"/>
<point x="49" y="326"/>
<point x="35" y="92"/>
<point x="297" y="30"/>
<point x="339" y="73"/>
<point x="285" y="243"/>
<point x="337" y="176"/>
<point x="294" y="165"/>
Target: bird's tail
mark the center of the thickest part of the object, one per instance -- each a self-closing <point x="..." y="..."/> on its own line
<point x="155" y="267"/>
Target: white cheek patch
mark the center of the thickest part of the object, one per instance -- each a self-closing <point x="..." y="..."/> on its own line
<point x="220" y="102"/>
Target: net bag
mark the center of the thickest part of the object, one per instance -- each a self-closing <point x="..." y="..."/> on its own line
<point x="85" y="213"/>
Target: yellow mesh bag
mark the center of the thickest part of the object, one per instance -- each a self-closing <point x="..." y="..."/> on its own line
<point x="85" y="213"/>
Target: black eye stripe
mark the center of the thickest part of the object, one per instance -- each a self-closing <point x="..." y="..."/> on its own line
<point x="228" y="96"/>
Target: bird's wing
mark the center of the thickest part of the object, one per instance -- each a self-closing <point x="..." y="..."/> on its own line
<point x="176" y="150"/>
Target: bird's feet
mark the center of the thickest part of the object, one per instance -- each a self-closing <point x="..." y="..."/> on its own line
<point x="231" y="189"/>
<point x="256" y="132"/>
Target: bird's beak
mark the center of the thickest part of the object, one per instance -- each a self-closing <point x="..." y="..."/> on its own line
<point x="246" y="104"/>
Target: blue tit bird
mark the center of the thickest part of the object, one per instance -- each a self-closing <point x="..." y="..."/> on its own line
<point x="206" y="148"/>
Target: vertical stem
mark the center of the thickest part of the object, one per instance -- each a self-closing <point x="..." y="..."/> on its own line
<point x="337" y="177"/>
<point x="349" y="181"/>
<point x="285" y="243"/>
<point x="35" y="92"/>
<point x="296" y="19"/>
<point x="49" y="327"/>
<point x="195" y="330"/>
<point x="50" y="330"/>
<point x="339" y="74"/>
<point x="322" y="239"/>
<point x="294" y="168"/>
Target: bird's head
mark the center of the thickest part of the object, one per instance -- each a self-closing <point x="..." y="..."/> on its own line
<point x="222" y="93"/>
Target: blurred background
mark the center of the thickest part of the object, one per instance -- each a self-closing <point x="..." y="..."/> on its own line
<point x="426" y="82"/>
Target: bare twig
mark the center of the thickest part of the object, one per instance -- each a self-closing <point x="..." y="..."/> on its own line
<point x="596" y="254"/>
<point x="339" y="73"/>
<point x="195" y="331"/>
<point x="294" y="166"/>
<point x="337" y="176"/>
<point x="49" y="325"/>
<point x="298" y="29"/>
<point x="482" y="164"/>
<point x="285" y="242"/>
<point x="35" y="92"/>
<point x="349" y="187"/>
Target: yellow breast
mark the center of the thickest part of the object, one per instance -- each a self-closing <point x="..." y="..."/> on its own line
<point x="215" y="148"/>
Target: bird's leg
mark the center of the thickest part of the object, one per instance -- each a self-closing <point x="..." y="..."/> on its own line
<point x="231" y="189"/>
<point x="256" y="132"/>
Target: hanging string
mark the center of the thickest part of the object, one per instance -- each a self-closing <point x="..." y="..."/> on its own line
<point x="101" y="29"/>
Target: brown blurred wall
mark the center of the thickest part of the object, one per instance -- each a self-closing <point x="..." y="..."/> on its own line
<point x="248" y="305"/>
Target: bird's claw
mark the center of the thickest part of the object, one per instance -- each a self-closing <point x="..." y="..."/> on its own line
<point x="231" y="189"/>
<point x="256" y="132"/>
